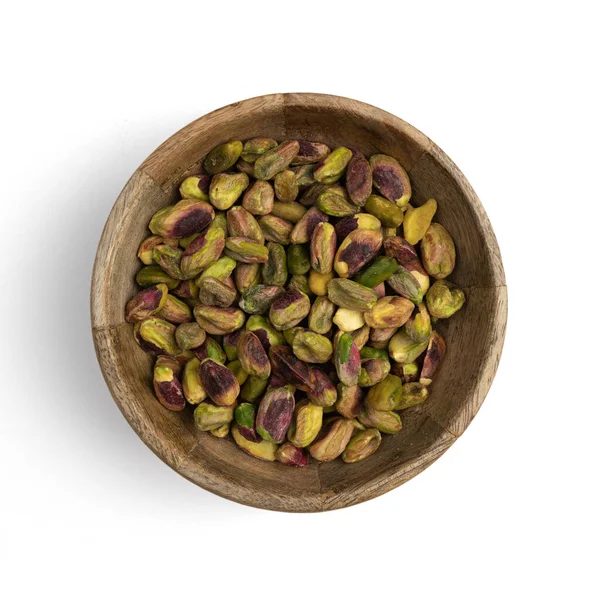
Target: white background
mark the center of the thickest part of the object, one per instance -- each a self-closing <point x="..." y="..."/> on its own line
<point x="508" y="89"/>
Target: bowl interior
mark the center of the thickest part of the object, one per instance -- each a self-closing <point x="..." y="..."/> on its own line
<point x="474" y="336"/>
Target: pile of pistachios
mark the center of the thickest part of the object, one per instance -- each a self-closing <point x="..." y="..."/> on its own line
<point x="292" y="306"/>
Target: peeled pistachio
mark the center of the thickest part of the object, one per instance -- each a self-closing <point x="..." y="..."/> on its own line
<point x="330" y="168"/>
<point x="438" y="252"/>
<point x="277" y="159"/>
<point x="222" y="157"/>
<point x="358" y="248"/>
<point x="417" y="221"/>
<point x="444" y="299"/>
<point x="362" y="445"/>
<point x="318" y="282"/>
<point x="193" y="390"/>
<point x="333" y="440"/>
<point x="286" y="186"/>
<point x="348" y="320"/>
<point x="436" y="350"/>
<point x="306" y="424"/>
<point x="390" y="179"/>
<point x="320" y="318"/>
<point x="167" y="386"/>
<point x="252" y="355"/>
<point x="264" y="450"/>
<point x="404" y="350"/>
<point x="219" y="382"/>
<point x="196" y="187"/>
<point x="412" y="394"/>
<point x="146" y="303"/>
<point x="259" y="198"/>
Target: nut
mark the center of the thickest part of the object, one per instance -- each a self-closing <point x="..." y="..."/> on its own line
<point x="318" y="282"/>
<point x="361" y="221"/>
<point x="259" y="198"/>
<point x="305" y="227"/>
<point x="226" y="188"/>
<point x="404" y="350"/>
<point x="146" y="303"/>
<point x="222" y="157"/>
<point x="373" y="371"/>
<point x="418" y="326"/>
<point x="193" y="390"/>
<point x="213" y="292"/>
<point x="417" y="221"/>
<point x="189" y="336"/>
<point x="438" y="252"/>
<point x="349" y="294"/>
<point x="310" y="152"/>
<point x="380" y="338"/>
<point x="304" y="175"/>
<point x="331" y="167"/>
<point x="286" y="186"/>
<point x="275" y="229"/>
<point x="274" y="271"/>
<point x="146" y="249"/>
<point x="219" y="382"/>
<point x="276" y="160"/>
<point x="386" y="394"/>
<point x="245" y="250"/>
<point x="359" y="180"/>
<point x="202" y="252"/>
<point x="348" y="320"/>
<point x="380" y="269"/>
<point x="275" y="413"/>
<point x="236" y="368"/>
<point x="156" y="336"/>
<point x="370" y="352"/>
<point x="230" y="342"/>
<point x="175" y="311"/>
<point x="219" y="321"/>
<point x="256" y="147"/>
<point x="288" y="367"/>
<point x="334" y="440"/>
<point x="321" y="390"/>
<point x="288" y="454"/>
<point x="221" y="269"/>
<point x="298" y="259"/>
<point x="349" y="400"/>
<point x="247" y="276"/>
<point x="185" y="218"/>
<point x="361" y="336"/>
<point x="436" y="350"/>
<point x="322" y="248"/>
<point x="347" y="360"/>
<point x="245" y="417"/>
<point x="222" y="431"/>
<point x="208" y="417"/>
<point x="408" y="372"/>
<point x="356" y="250"/>
<point x="362" y="445"/>
<point x="187" y="289"/>
<point x="384" y="420"/>
<point x="266" y="333"/>
<point x="289" y="309"/>
<point x="196" y="187"/>
<point x="403" y="282"/>
<point x="389" y="311"/>
<point x="300" y="283"/>
<point x="309" y="197"/>
<point x="412" y="394"/>
<point x="210" y="349"/>
<point x="444" y="299"/>
<point x="168" y="258"/>
<point x="306" y="424"/>
<point x="290" y="211"/>
<point x="334" y="202"/>
<point x="252" y="355"/>
<point x="312" y="347"/>
<point x="390" y="179"/>
<point x="253" y="389"/>
<point x="167" y="386"/>
<point x="258" y="299"/>
<point x="320" y="318"/>
<point x="241" y="223"/>
<point x="389" y="214"/>
<point x="263" y="449"/>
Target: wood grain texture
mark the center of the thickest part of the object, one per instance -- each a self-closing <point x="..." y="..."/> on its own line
<point x="474" y="336"/>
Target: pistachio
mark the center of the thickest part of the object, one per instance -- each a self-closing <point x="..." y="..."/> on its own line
<point x="258" y="299"/>
<point x="256" y="147"/>
<point x="390" y="179"/>
<point x="264" y="450"/>
<point x="389" y="311"/>
<point x="275" y="413"/>
<point x="247" y="276"/>
<point x="175" y="311"/>
<point x="306" y="424"/>
<point x="380" y="338"/>
<point x="146" y="249"/>
<point x="253" y="389"/>
<point x="196" y="187"/>
<point x="226" y="188"/>
<point x="298" y="259"/>
<point x="389" y="232"/>
<point x="321" y="390"/>
<point x="320" y="317"/>
<point x="230" y="342"/>
<point x="346" y="293"/>
<point x="359" y="180"/>
<point x="222" y="157"/>
<point x="286" y="186"/>
<point x="348" y="320"/>
<point x="418" y="326"/>
<point x="189" y="336"/>
<point x="245" y="418"/>
<point x="213" y="292"/>
<point x="361" y="336"/>
<point x="156" y="336"/>
<point x="185" y="218"/>
<point x="331" y="167"/>
<point x="266" y="333"/>
<point x="417" y="221"/>
<point x="349" y="224"/>
<point x="444" y="299"/>
<point x="438" y="252"/>
<point x="210" y="349"/>
<point x="349" y="400"/>
<point x="219" y="321"/>
<point x="167" y="386"/>
<point x="386" y="394"/>
<point x="370" y="352"/>
<point x="304" y="175"/>
<point x="202" y="252"/>
<point x="356" y="250"/>
<point x="193" y="389"/>
<point x="310" y="195"/>
<point x="312" y="347"/>
<point x="221" y="269"/>
<point x="362" y="445"/>
<point x="389" y="214"/>
<point x="241" y="223"/>
<point x="274" y="271"/>
<point x="385" y="421"/>
<point x="412" y="394"/>
<point x="436" y="350"/>
<point x="310" y="152"/>
<point x="408" y="372"/>
<point x="290" y="211"/>
<point x="305" y="227"/>
<point x="290" y="368"/>
<point x="333" y="440"/>
<point x="403" y="282"/>
<point x="404" y="350"/>
<point x="373" y="371"/>
<point x="289" y="309"/>
<point x="380" y="269"/>
<point x="222" y="431"/>
<point x="319" y="282"/>
<point x="334" y="202"/>
<point x="188" y="290"/>
<point x="207" y="416"/>
<point x="276" y="160"/>
<point x="245" y="250"/>
<point x="300" y="283"/>
<point x="288" y="454"/>
<point x="146" y="303"/>
<point x="252" y="355"/>
<point x="259" y="198"/>
<point x="219" y="382"/>
<point x="275" y="229"/>
<point x="322" y="248"/>
<point x="347" y="360"/>
<point x="169" y="259"/>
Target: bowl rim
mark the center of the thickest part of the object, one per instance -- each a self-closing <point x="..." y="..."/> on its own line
<point x="391" y="478"/>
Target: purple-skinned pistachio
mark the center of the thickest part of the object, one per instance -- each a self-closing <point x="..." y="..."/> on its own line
<point x="373" y="371"/>
<point x="310" y="152"/>
<point x="362" y="445"/>
<point x="202" y="252"/>
<point x="146" y="249"/>
<point x="219" y="382"/>
<point x="252" y="355"/>
<point x="361" y="336"/>
<point x="351" y="223"/>
<point x="266" y="333"/>
<point x="275" y="413"/>
<point x="305" y="227"/>
<point x="195" y="186"/>
<point x="436" y="350"/>
<point x="180" y="220"/>
<point x="263" y="450"/>
<point x="276" y="229"/>
<point x="245" y="167"/>
<point x="321" y="390"/>
<point x="359" y="180"/>
<point x="349" y="400"/>
<point x="275" y="160"/>
<point x="407" y="258"/>
<point x="223" y="157"/>
<point x="390" y="179"/>
<point x="289" y="309"/>
<point x="288" y="454"/>
<point x="347" y="360"/>
<point x="247" y="275"/>
<point x="156" y="336"/>
<point x="146" y="303"/>
<point x="210" y="348"/>
<point x="187" y="289"/>
<point x="304" y="175"/>
<point x="290" y="368"/>
<point x="259" y="198"/>
<point x="408" y="372"/>
<point x="219" y="321"/>
<point x="175" y="311"/>
<point x="356" y="250"/>
<point x="241" y="223"/>
<point x="167" y="386"/>
<point x="168" y="259"/>
<point x="230" y="342"/>
<point x="438" y="251"/>
<point x="245" y="417"/>
<point x="245" y="250"/>
<point x="310" y="195"/>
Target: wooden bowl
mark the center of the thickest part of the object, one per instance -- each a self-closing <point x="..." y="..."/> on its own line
<point x="474" y="336"/>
